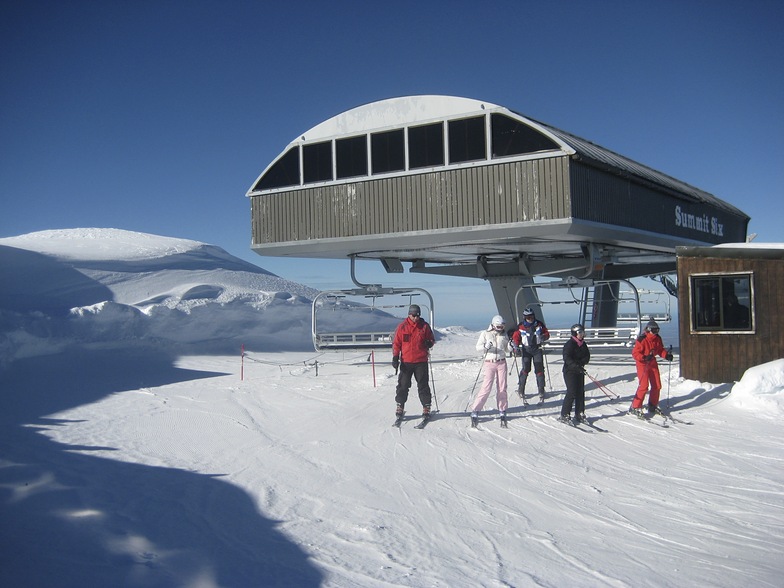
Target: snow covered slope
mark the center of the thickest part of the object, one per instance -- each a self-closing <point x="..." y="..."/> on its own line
<point x="135" y="452"/>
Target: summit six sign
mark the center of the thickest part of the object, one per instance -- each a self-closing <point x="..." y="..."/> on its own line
<point x="702" y="223"/>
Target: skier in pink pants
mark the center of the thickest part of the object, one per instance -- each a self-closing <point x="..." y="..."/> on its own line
<point x="494" y="343"/>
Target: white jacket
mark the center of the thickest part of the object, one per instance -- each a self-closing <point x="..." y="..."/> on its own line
<point x="499" y="344"/>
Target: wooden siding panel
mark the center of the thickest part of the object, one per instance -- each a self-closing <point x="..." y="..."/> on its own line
<point x="462" y="213"/>
<point x="480" y="195"/>
<point x="725" y="357"/>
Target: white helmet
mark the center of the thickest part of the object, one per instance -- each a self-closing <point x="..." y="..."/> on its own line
<point x="498" y="321"/>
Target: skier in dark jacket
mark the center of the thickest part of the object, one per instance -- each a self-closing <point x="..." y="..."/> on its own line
<point x="576" y="356"/>
<point x="527" y="341"/>
<point x="410" y="352"/>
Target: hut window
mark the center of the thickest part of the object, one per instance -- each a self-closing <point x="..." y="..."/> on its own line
<point x="284" y="172"/>
<point x="722" y="303"/>
<point x="351" y="155"/>
<point x="426" y="146"/>
<point x="387" y="151"/>
<point x="317" y="162"/>
<point x="511" y="137"/>
<point x="467" y="139"/>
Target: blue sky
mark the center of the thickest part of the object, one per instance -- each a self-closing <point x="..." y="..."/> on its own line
<point x="157" y="116"/>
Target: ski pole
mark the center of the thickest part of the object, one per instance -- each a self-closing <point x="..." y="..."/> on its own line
<point x="669" y="375"/>
<point x="481" y="365"/>
<point x="514" y="367"/>
<point x="433" y="380"/>
<point x="602" y="387"/>
<point x="547" y="366"/>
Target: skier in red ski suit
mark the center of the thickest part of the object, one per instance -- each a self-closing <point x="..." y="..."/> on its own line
<point x="410" y="352"/>
<point x="646" y="348"/>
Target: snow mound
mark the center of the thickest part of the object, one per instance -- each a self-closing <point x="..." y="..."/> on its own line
<point x="761" y="389"/>
<point x="110" y="285"/>
<point x="101" y="244"/>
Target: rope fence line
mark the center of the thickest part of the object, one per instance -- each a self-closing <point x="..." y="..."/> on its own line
<point x="312" y="362"/>
<point x="315" y="362"/>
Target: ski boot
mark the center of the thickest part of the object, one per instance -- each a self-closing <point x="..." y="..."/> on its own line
<point x="425" y="417"/>
<point x="399" y="412"/>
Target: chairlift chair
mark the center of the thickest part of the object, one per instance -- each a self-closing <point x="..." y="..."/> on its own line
<point x="333" y="339"/>
<point x="609" y="336"/>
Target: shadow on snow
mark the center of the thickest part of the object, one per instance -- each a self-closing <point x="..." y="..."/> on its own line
<point x="71" y="519"/>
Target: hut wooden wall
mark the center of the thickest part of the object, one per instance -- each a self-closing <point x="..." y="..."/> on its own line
<point x="723" y="357"/>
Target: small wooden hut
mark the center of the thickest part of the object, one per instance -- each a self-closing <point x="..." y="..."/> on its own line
<point x="731" y="309"/>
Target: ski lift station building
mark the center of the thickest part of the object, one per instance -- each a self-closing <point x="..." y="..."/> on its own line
<point x="461" y="187"/>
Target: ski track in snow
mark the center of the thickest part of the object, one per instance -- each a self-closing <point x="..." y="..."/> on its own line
<point x="538" y="503"/>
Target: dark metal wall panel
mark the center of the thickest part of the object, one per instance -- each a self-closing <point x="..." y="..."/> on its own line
<point x="724" y="357"/>
<point x="601" y="158"/>
<point x="617" y="200"/>
<point x="476" y="196"/>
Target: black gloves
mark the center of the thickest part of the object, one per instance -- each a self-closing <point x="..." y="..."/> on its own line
<point x="428" y="343"/>
<point x="396" y="362"/>
<point x="668" y="357"/>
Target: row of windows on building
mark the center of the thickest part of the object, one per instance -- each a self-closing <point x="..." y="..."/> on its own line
<point x="411" y="148"/>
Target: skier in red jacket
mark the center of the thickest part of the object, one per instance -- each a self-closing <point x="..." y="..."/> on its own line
<point x="410" y="352"/>
<point x="648" y="345"/>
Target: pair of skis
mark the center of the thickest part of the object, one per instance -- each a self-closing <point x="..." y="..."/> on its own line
<point x="576" y="424"/>
<point x="475" y="422"/>
<point x="420" y="425"/>
<point x="668" y="418"/>
<point x="526" y="403"/>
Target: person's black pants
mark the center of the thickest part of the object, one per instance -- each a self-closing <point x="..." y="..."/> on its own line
<point x="575" y="394"/>
<point x="420" y="372"/>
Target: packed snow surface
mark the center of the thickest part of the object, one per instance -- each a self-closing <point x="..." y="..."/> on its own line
<point x="139" y="447"/>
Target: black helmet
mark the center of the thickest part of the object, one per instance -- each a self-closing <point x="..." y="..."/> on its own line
<point x="652" y="324"/>
<point x="528" y="311"/>
<point x="577" y="328"/>
<point x="414" y="310"/>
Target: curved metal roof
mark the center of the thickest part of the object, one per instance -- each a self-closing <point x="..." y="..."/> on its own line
<point x="404" y="111"/>
<point x="414" y="110"/>
<point x="394" y="112"/>
<point x="551" y="202"/>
